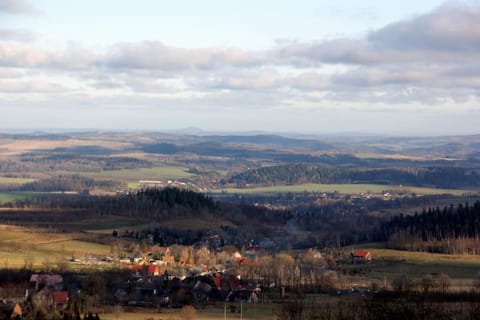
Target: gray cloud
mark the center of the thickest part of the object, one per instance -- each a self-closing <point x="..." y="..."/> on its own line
<point x="450" y="33"/>
<point x="428" y="59"/>
<point x="450" y="28"/>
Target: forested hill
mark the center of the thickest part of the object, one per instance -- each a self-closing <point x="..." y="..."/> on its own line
<point x="168" y="208"/>
<point x="449" y="230"/>
<point x="158" y="205"/>
<point x="441" y="177"/>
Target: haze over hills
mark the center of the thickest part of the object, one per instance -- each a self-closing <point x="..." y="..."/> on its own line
<point x="438" y="146"/>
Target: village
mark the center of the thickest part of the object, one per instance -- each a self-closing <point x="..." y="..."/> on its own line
<point x="172" y="277"/>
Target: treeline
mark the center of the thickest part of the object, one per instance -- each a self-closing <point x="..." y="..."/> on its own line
<point x="60" y="161"/>
<point x="61" y="183"/>
<point x="238" y="223"/>
<point x="147" y="203"/>
<point x="441" y="177"/>
<point x="70" y="161"/>
<point x="453" y="229"/>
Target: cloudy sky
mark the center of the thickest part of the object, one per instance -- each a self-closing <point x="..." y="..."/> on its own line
<point x="306" y="66"/>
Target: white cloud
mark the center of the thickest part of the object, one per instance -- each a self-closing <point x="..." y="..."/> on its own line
<point x="430" y="59"/>
<point x="156" y="55"/>
<point x="20" y="55"/>
<point x="17" y="7"/>
<point x="17" y="35"/>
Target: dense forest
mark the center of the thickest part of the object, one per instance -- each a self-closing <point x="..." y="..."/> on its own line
<point x="452" y="229"/>
<point x="61" y="183"/>
<point x="40" y="161"/>
<point x="442" y="177"/>
<point x="237" y="223"/>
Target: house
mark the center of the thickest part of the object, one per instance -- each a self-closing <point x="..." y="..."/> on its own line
<point x="168" y="259"/>
<point x="16" y="291"/>
<point x="361" y="256"/>
<point x="10" y="310"/>
<point x="48" y="280"/>
<point x="59" y="299"/>
<point x="153" y="270"/>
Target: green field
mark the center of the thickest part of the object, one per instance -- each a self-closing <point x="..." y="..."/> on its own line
<point x="342" y="188"/>
<point x="389" y="264"/>
<point x="6" y="197"/>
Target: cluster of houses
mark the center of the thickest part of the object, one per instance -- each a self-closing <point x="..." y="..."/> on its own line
<point x="42" y="291"/>
<point x="152" y="282"/>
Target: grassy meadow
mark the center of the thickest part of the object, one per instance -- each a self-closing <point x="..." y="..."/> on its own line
<point x="20" y="246"/>
<point x="343" y="188"/>
<point x="6" y="197"/>
<point x="15" y="181"/>
<point x="250" y="311"/>
<point x="388" y="264"/>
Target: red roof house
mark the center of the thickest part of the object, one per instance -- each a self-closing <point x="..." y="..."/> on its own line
<point x="59" y="298"/>
<point x="361" y="256"/>
<point x="153" y="270"/>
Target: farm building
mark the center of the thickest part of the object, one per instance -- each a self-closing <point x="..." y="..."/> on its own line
<point x="361" y="256"/>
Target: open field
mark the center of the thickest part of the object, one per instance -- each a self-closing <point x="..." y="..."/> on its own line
<point x="388" y="264"/>
<point x="413" y="157"/>
<point x="17" y="146"/>
<point x="21" y="195"/>
<point x="250" y="311"/>
<point x="8" y="180"/>
<point x="343" y="188"/>
<point x="13" y="196"/>
<point x="78" y="247"/>
<point x="37" y="247"/>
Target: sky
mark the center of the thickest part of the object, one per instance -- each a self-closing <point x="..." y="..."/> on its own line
<point x="317" y="67"/>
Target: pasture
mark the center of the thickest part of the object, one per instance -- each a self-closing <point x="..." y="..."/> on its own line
<point x="388" y="264"/>
<point x="249" y="311"/>
<point x="20" y="246"/>
<point x="6" y="197"/>
<point x="18" y="146"/>
<point x="15" y="181"/>
<point x="343" y="188"/>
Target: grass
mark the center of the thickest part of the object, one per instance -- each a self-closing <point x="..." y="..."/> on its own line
<point x="397" y="156"/>
<point x="39" y="247"/>
<point x="6" y="197"/>
<point x="391" y="263"/>
<point x="78" y="247"/>
<point x="8" y="180"/>
<point x="250" y="311"/>
<point x="18" y="146"/>
<point x="8" y="233"/>
<point x="342" y="188"/>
